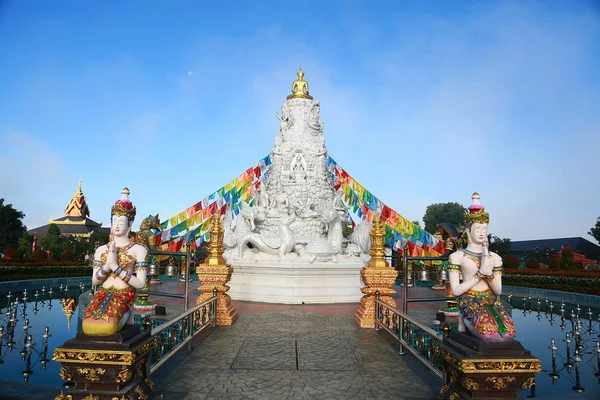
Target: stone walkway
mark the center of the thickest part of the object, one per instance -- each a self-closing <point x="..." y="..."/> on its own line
<point x="294" y="352"/>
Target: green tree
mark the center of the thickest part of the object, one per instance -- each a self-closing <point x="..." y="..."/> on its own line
<point x="96" y="238"/>
<point x="78" y="245"/>
<point x="11" y="226"/>
<point x="566" y="260"/>
<point x="24" y="248"/>
<point x="511" y="261"/>
<point x="54" y="242"/>
<point x="443" y="212"/>
<point x="417" y="223"/>
<point x="544" y="256"/>
<point x="499" y="245"/>
<point x="347" y="230"/>
<point x="595" y="231"/>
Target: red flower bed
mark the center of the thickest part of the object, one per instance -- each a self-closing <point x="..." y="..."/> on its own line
<point x="551" y="272"/>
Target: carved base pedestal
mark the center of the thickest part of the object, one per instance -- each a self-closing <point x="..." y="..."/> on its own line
<point x="106" y="367"/>
<point x="226" y="314"/>
<point x="377" y="280"/>
<point x="485" y="370"/>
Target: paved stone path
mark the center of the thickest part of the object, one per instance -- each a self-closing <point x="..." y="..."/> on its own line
<point x="294" y="354"/>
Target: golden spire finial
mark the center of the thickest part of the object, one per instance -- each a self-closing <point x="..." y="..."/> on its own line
<point x="377" y="246"/>
<point x="78" y="207"/>
<point x="300" y="87"/>
<point x="215" y="247"/>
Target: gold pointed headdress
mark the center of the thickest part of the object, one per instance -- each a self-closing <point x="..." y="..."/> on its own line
<point x="476" y="213"/>
<point x="123" y="206"/>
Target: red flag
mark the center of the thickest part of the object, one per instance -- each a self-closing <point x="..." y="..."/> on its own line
<point x="179" y="245"/>
<point x="34" y="243"/>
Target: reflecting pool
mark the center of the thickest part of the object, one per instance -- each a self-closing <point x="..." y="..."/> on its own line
<point x="566" y="338"/>
<point x="32" y="325"/>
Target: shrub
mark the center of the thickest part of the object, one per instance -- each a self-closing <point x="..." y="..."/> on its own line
<point x="511" y="261"/>
<point x="67" y="255"/>
<point x="12" y="253"/>
<point x="40" y="254"/>
<point x="578" y="284"/>
<point x="532" y="263"/>
<point x="14" y="273"/>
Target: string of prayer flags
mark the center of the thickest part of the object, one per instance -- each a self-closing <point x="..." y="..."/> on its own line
<point x="193" y="223"/>
<point x="399" y="231"/>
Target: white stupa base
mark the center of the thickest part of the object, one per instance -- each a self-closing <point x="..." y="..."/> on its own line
<point x="296" y="280"/>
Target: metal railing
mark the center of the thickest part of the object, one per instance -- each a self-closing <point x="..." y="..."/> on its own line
<point x="181" y="330"/>
<point x="406" y="259"/>
<point x="174" y="334"/>
<point x="185" y="295"/>
<point x="413" y="336"/>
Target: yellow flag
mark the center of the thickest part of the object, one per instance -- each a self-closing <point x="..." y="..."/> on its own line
<point x="182" y="216"/>
<point x="173" y="221"/>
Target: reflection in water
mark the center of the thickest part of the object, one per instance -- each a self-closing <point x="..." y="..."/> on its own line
<point x="23" y="346"/>
<point x="572" y="363"/>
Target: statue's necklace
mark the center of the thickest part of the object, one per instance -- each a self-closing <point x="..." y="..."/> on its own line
<point x="476" y="257"/>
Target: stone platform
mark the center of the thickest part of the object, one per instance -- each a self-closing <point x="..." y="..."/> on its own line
<point x="286" y="352"/>
<point x="296" y="281"/>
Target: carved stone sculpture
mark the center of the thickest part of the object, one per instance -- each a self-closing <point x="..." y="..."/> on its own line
<point x="120" y="267"/>
<point x="479" y="305"/>
<point x="297" y="183"/>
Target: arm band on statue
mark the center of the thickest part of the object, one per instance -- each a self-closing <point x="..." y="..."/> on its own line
<point x="453" y="268"/>
<point x="482" y="276"/>
<point x="497" y="270"/>
<point x="141" y="266"/>
<point x="101" y="277"/>
<point x="127" y="277"/>
<point x="97" y="263"/>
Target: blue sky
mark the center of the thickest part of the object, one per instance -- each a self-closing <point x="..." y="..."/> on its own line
<point x="423" y="102"/>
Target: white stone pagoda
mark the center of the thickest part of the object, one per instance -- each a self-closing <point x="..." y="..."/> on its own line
<point x="288" y="246"/>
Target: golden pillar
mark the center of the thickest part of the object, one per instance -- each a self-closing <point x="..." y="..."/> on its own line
<point x="214" y="273"/>
<point x="378" y="276"/>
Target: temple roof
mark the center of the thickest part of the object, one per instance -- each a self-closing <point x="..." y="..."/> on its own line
<point x="577" y="244"/>
<point x="75" y="222"/>
<point x="71" y="229"/>
<point x="78" y="207"/>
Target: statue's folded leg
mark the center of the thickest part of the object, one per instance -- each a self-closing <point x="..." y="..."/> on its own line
<point x="108" y="311"/>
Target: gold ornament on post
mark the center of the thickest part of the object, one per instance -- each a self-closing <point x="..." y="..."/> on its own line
<point x="378" y="276"/>
<point x="214" y="273"/>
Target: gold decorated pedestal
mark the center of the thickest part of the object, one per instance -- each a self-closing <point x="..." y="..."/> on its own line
<point x="106" y="368"/>
<point x="378" y="276"/>
<point x="214" y="273"/>
<point x="482" y="370"/>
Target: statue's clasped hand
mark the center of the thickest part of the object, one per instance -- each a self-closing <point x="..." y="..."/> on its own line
<point x="487" y="262"/>
<point x="111" y="258"/>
